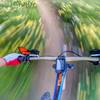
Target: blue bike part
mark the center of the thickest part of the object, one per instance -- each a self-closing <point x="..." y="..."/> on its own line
<point x="46" y="96"/>
<point x="61" y="86"/>
<point x="55" y="89"/>
<point x="60" y="64"/>
<point x="61" y="67"/>
<point x="24" y="58"/>
<point x="64" y="73"/>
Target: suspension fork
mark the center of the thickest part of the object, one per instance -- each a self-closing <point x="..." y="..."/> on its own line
<point x="61" y="68"/>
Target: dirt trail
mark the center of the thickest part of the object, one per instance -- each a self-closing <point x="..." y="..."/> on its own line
<point x="45" y="76"/>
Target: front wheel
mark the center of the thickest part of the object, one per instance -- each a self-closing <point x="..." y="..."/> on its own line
<point x="46" y="96"/>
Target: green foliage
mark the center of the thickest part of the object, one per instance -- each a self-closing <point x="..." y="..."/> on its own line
<point x="19" y="26"/>
<point x="85" y="19"/>
<point x="65" y="11"/>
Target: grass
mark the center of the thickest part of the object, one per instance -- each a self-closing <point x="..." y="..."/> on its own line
<point x="19" y="26"/>
<point x="85" y="17"/>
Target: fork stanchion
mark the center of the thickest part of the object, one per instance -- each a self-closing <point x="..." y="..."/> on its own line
<point x="61" y="67"/>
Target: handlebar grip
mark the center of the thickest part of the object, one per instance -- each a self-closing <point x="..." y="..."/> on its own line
<point x="24" y="58"/>
<point x="95" y="53"/>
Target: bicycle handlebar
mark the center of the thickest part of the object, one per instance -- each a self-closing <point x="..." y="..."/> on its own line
<point x="67" y="58"/>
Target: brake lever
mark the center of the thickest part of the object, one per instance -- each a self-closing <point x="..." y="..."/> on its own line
<point x="95" y="53"/>
<point x="26" y="57"/>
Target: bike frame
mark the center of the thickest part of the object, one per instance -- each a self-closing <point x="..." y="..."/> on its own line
<point x="61" y="69"/>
